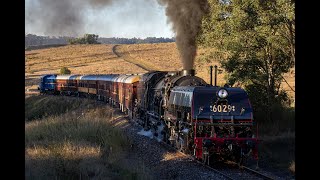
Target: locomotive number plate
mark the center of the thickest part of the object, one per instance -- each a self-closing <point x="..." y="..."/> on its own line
<point x="222" y="108"/>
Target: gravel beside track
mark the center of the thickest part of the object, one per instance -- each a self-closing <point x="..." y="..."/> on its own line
<point x="164" y="163"/>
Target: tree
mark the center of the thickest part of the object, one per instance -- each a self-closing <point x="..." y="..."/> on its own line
<point x="86" y="39"/>
<point x="259" y="38"/>
<point x="91" y="39"/>
<point x="65" y="70"/>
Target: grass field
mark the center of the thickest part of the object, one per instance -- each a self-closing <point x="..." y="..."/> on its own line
<point x="99" y="59"/>
<point x="80" y="59"/>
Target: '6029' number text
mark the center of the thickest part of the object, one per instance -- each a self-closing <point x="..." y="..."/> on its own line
<point x="222" y="108"/>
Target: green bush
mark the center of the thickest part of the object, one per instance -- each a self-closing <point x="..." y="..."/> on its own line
<point x="65" y="70"/>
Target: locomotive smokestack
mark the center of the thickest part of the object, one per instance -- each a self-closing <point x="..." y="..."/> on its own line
<point x="189" y="72"/>
<point x="215" y="75"/>
<point x="211" y="75"/>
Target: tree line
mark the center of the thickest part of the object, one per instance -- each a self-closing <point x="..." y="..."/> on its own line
<point x="34" y="40"/>
<point x="134" y="40"/>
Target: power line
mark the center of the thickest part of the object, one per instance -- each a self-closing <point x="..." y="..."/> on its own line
<point x="287" y="83"/>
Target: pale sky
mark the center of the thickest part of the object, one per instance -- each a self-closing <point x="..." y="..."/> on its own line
<point x="132" y="18"/>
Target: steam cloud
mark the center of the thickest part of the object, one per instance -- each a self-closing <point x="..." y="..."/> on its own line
<point x="186" y="16"/>
<point x="62" y="16"/>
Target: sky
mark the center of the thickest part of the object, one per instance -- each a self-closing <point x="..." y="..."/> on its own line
<point x="126" y="19"/>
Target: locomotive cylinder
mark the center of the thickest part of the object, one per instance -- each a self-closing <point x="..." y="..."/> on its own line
<point x="187" y="72"/>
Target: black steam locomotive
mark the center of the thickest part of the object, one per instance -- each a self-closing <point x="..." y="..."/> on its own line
<point x="210" y="122"/>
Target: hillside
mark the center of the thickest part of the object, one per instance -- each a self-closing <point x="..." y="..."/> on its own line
<point x="100" y="59"/>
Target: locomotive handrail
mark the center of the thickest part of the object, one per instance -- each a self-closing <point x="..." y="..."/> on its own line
<point x="225" y="123"/>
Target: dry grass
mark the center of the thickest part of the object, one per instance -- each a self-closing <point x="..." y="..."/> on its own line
<point x="162" y="56"/>
<point x="66" y="150"/>
<point x="77" y="144"/>
<point x="80" y="59"/>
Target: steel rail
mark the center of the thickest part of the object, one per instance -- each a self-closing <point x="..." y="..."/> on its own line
<point x="257" y="173"/>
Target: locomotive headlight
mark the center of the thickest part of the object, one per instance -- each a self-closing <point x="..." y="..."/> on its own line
<point x="222" y="93"/>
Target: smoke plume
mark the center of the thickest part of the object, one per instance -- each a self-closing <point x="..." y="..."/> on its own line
<point x="68" y="17"/>
<point x="186" y="16"/>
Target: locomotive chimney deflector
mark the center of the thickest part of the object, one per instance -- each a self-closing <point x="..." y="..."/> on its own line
<point x="211" y="75"/>
<point x="186" y="72"/>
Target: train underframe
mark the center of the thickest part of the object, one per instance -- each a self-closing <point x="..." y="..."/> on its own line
<point x="206" y="141"/>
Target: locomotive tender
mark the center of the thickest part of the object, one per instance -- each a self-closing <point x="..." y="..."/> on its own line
<point x="210" y="122"/>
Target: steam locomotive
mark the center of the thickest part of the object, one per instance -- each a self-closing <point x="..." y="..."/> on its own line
<point x="210" y="122"/>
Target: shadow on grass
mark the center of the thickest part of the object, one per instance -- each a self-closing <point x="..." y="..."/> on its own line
<point x="76" y="143"/>
<point x="37" y="107"/>
<point x="277" y="148"/>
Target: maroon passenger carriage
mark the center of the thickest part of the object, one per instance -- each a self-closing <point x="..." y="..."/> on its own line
<point x="118" y="89"/>
<point x="67" y="84"/>
<point x="104" y="83"/>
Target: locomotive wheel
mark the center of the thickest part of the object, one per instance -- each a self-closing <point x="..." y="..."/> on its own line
<point x="205" y="156"/>
<point x="239" y="162"/>
<point x="165" y="135"/>
<point x="205" y="159"/>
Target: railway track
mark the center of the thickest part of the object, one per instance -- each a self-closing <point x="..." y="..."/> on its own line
<point x="115" y="52"/>
<point x="243" y="172"/>
<point x="228" y="171"/>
